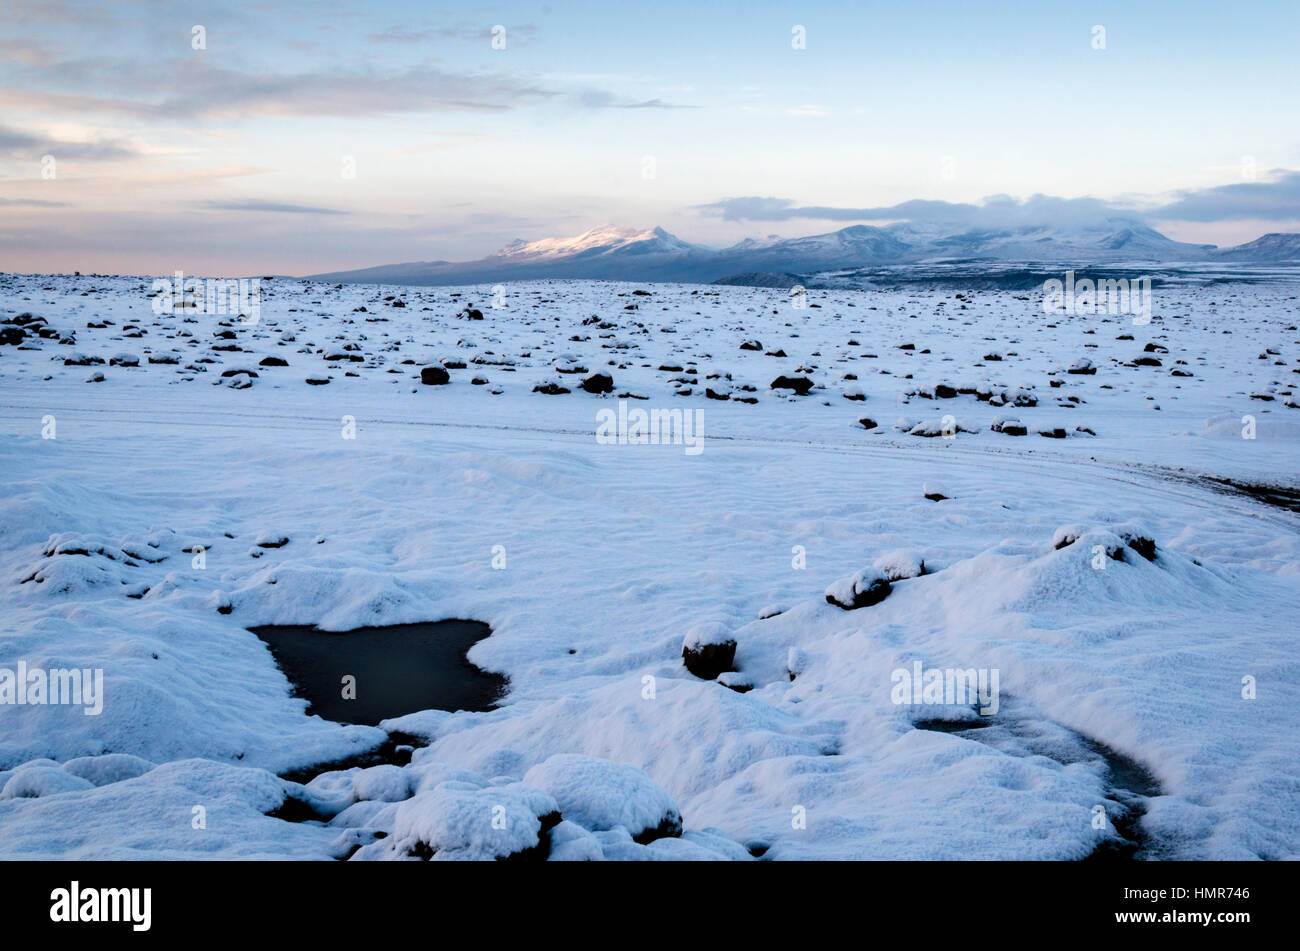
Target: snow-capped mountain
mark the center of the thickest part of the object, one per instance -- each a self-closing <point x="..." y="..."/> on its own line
<point x="614" y="253"/>
<point x="597" y="242"/>
<point x="1109" y="240"/>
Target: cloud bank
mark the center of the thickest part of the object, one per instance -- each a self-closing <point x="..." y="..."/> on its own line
<point x="1275" y="198"/>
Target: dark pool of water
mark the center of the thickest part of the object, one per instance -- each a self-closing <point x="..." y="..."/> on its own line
<point x="1130" y="785"/>
<point x="398" y="669"/>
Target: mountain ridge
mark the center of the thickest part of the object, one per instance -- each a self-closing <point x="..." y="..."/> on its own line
<point x="611" y="252"/>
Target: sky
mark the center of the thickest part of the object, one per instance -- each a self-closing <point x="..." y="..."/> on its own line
<point x="283" y="137"/>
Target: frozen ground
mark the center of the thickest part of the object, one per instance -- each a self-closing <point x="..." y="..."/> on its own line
<point x="613" y="553"/>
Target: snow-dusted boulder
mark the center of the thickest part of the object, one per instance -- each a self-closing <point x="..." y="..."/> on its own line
<point x="38" y="781"/>
<point x="708" y="650"/>
<point x="1066" y="535"/>
<point x="929" y="428"/>
<point x="1008" y="426"/>
<point x="452" y="823"/>
<point x="1138" y="537"/>
<point x="1090" y="540"/>
<point x="599" y="794"/>
<point x="861" y="590"/>
<point x="934" y="491"/>
<point x="434" y="376"/>
<point x="796" y="661"/>
<point x="551" y="387"/>
<point x="900" y="564"/>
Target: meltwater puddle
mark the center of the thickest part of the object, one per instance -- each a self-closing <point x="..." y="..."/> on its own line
<point x="1129" y="784"/>
<point x="396" y="670"/>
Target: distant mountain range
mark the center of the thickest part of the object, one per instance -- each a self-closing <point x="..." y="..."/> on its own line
<point x="611" y="253"/>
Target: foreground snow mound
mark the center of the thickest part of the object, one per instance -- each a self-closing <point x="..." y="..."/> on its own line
<point x="601" y="795"/>
<point x="186" y="809"/>
<point x="38" y="781"/>
<point x="109" y="768"/>
<point x="457" y="822"/>
<point x="568" y="808"/>
<point x="385" y="783"/>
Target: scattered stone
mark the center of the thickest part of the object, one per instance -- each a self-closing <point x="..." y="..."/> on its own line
<point x="79" y="359"/>
<point x="708" y="650"/>
<point x="861" y="590"/>
<point x="934" y="492"/>
<point x="598" y="383"/>
<point x="899" y="565"/>
<point x="800" y="384"/>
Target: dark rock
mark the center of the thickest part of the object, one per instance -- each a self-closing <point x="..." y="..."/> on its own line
<point x="707" y="661"/>
<point x="800" y="384"/>
<point x="598" y="383"/>
<point x="860" y="591"/>
<point x="1144" y="546"/>
<point x="434" y="376"/>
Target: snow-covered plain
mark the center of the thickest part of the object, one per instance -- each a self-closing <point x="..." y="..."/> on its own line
<point x="592" y="562"/>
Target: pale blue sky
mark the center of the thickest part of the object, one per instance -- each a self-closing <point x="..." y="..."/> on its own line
<point x="230" y="159"/>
